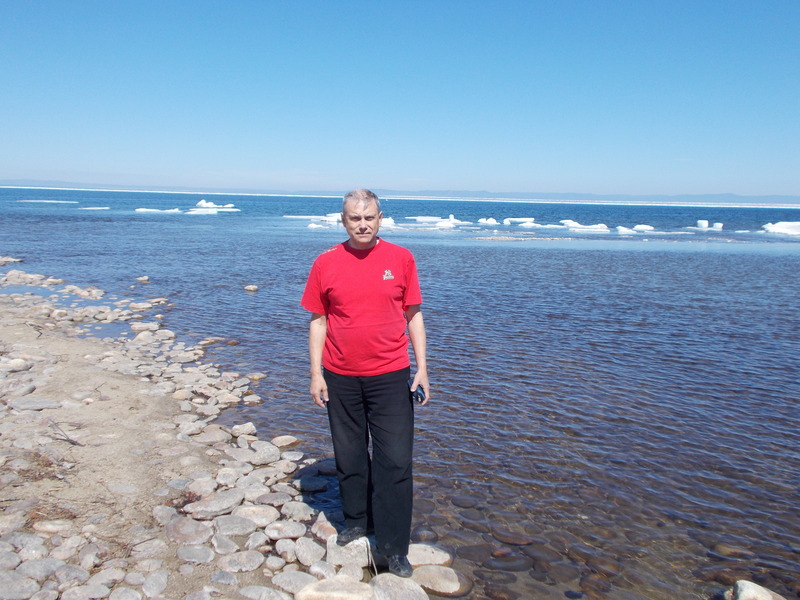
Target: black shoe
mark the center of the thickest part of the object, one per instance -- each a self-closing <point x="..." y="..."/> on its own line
<point x="399" y="565"/>
<point x="350" y="534"/>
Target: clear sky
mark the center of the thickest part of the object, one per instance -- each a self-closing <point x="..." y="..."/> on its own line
<point x="593" y="96"/>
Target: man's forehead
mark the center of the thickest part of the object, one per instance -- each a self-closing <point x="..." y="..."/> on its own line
<point x="360" y="207"/>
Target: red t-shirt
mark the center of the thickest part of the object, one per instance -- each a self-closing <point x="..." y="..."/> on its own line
<point x="364" y="295"/>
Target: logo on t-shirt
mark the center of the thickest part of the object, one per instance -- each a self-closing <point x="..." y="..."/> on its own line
<point x="387" y="274"/>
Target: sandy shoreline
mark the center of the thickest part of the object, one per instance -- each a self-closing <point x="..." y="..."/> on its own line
<point x="116" y="482"/>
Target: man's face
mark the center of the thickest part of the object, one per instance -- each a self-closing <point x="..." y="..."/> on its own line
<point x="362" y="221"/>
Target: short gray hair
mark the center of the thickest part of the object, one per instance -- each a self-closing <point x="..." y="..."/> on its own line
<point x="361" y="197"/>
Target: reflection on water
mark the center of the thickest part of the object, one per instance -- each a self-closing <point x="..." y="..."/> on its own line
<point x="618" y="424"/>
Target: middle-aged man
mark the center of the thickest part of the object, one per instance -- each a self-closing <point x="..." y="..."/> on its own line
<point x="364" y="295"/>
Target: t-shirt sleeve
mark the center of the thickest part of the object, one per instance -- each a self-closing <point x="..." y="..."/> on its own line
<point x="412" y="295"/>
<point x="313" y="299"/>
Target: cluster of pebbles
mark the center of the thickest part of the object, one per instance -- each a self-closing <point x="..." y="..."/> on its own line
<point x="117" y="484"/>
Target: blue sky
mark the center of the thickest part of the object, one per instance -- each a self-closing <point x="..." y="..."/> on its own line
<point x="606" y="97"/>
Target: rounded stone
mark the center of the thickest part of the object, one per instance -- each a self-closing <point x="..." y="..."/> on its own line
<point x="285" y="529"/>
<point x="185" y="530"/>
<point x="248" y="560"/>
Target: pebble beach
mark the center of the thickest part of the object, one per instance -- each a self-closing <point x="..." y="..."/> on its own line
<point x="117" y="482"/>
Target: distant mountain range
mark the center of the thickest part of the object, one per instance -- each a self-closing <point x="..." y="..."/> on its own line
<point x="726" y="199"/>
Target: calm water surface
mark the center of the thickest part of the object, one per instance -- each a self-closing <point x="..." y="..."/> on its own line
<point x="628" y="409"/>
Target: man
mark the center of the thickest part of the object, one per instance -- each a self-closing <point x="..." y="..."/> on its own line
<point x="364" y="295"/>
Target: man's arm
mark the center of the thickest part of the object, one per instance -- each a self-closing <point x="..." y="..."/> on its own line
<point x="317" y="331"/>
<point x="419" y="342"/>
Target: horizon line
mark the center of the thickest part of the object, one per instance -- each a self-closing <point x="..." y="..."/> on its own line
<point x="599" y="199"/>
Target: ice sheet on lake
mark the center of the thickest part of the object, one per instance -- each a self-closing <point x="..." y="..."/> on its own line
<point x="49" y="201"/>
<point x="204" y="207"/>
<point x="783" y="227"/>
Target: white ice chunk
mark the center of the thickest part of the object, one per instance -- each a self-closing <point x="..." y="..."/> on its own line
<point x="784" y="227"/>
<point x="575" y="226"/>
<point x="510" y="220"/>
<point x="487" y="221"/>
<point x="424" y="219"/>
<point x="643" y="228"/>
<point x="702" y="224"/>
<point x="625" y="230"/>
<point x="717" y="227"/>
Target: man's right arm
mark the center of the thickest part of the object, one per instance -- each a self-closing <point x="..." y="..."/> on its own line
<point x="317" y="331"/>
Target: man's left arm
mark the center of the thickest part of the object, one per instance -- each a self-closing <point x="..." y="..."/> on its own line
<point x="419" y="342"/>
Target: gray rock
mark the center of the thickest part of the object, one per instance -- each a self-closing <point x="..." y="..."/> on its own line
<point x="247" y="560"/>
<point x="338" y="587"/>
<point x="14" y="586"/>
<point x="747" y="590"/>
<point x="233" y="525"/>
<point x="33" y="403"/>
<point x="260" y="515"/>
<point x="155" y="583"/>
<point x="125" y="593"/>
<point x="274" y="563"/>
<point x="308" y="551"/>
<point x="15" y="365"/>
<point x="86" y="592"/>
<point x="185" y="530"/>
<point x="241" y="454"/>
<point x="285" y="529"/>
<point x="322" y="570"/>
<point x="274" y="498"/>
<point x="265" y="453"/>
<point x="107" y="577"/>
<point x="428" y="554"/>
<point x="260" y="592"/>
<point x="196" y="554"/>
<point x="294" y="581"/>
<point x="283" y="441"/>
<point x="443" y="581"/>
<point x="45" y="595"/>
<point x="71" y="575"/>
<point x="286" y="550"/>
<point x="356" y="552"/>
<point x="256" y="540"/>
<point x="9" y="560"/>
<point x="213" y="434"/>
<point x="224" y="545"/>
<point x="390" y="587"/>
<point x="164" y="514"/>
<point x="243" y="429"/>
<point x="40" y="568"/>
<point x="297" y="511"/>
<point x="215" y="505"/>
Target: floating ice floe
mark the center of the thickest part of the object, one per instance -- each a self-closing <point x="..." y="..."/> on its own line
<point x="575" y="226"/>
<point x="204" y="207"/>
<point x="49" y="201"/>
<point x="488" y="221"/>
<point x="622" y="230"/>
<point x="783" y="227"/>
<point x="512" y="220"/>
<point x="424" y="219"/>
<point x="157" y="210"/>
<point x="702" y="225"/>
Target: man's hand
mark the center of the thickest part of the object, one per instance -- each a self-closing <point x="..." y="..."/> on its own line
<point x="319" y="390"/>
<point x="421" y="380"/>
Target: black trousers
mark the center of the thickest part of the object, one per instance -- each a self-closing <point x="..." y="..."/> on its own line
<point x="376" y="491"/>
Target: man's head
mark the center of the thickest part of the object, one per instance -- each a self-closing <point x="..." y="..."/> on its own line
<point x="361" y="217"/>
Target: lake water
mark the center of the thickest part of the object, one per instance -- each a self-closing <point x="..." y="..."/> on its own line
<point x="623" y="401"/>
